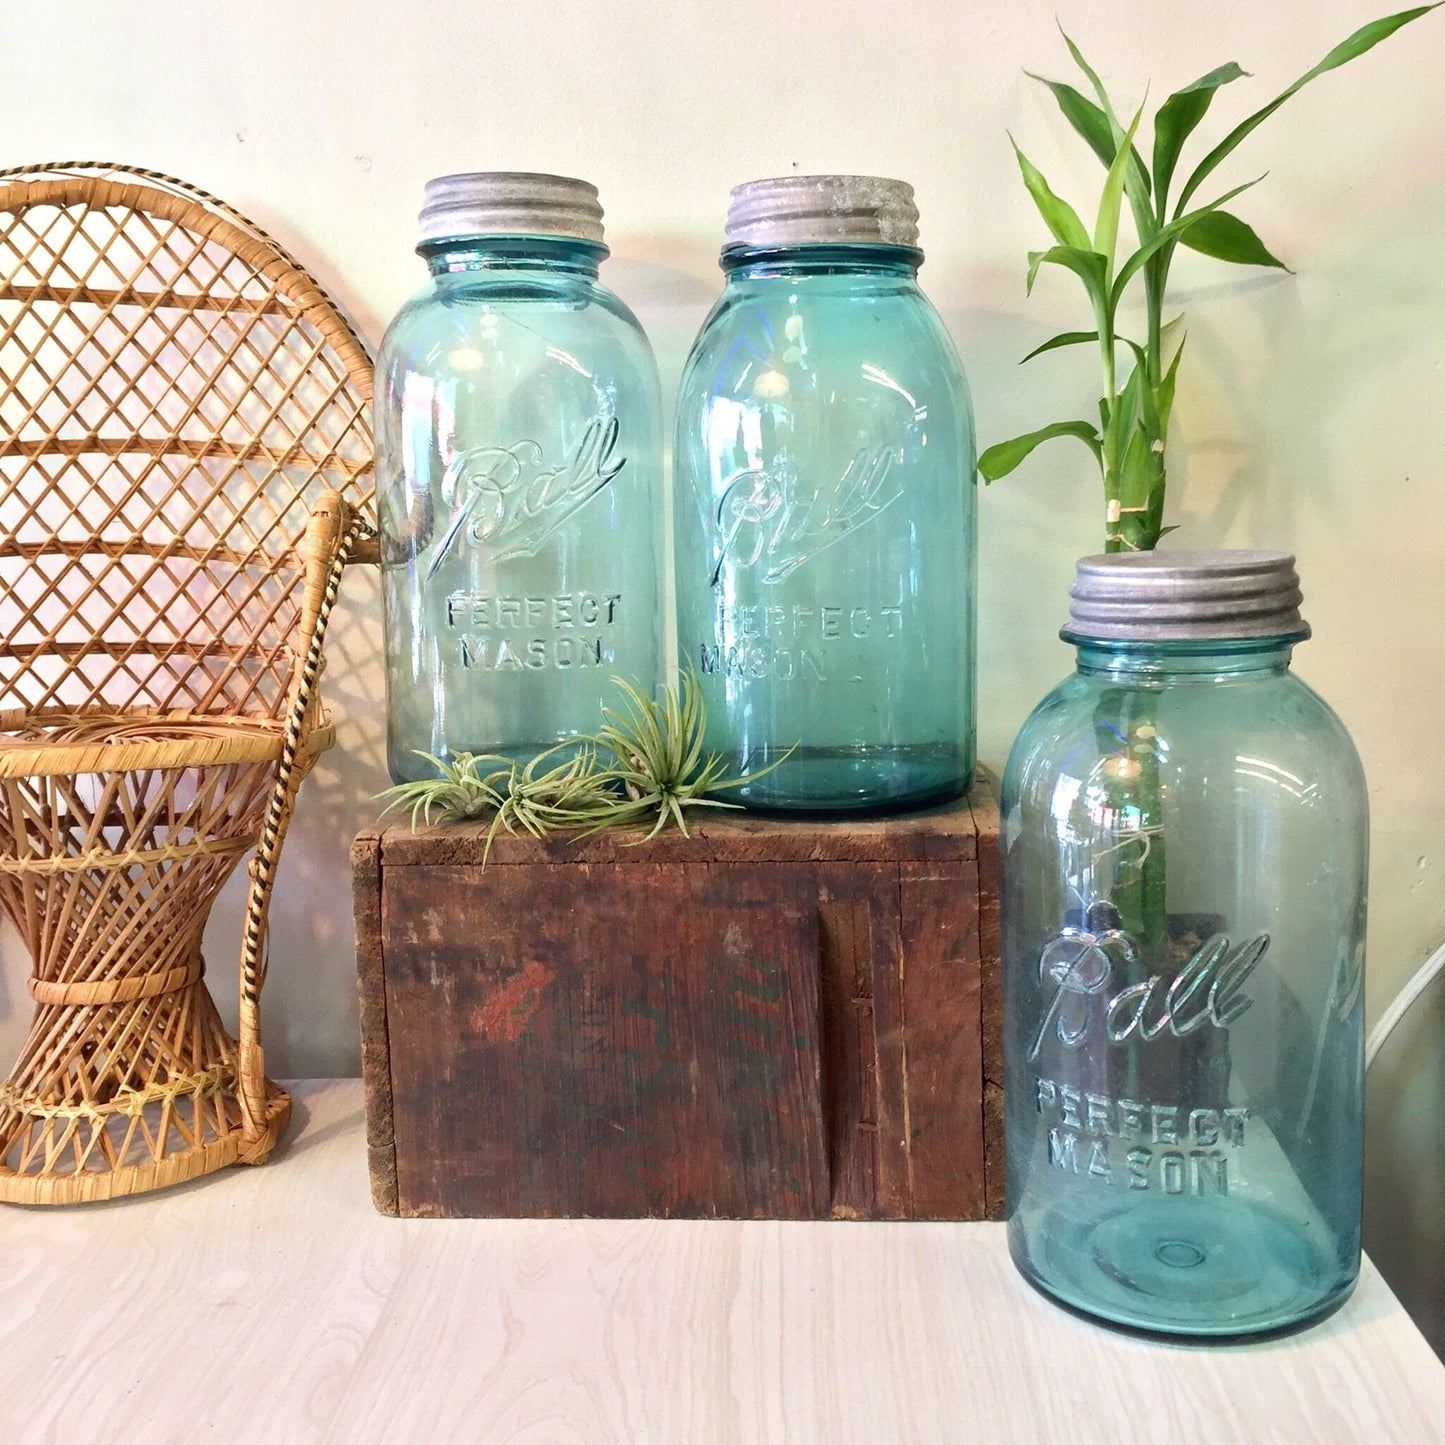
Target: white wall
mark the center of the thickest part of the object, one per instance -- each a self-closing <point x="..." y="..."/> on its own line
<point x="1312" y="407"/>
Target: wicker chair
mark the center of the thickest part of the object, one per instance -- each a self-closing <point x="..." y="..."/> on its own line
<point x="184" y="456"/>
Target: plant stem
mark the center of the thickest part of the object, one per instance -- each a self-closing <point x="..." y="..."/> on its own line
<point x="1137" y="885"/>
<point x="1109" y="461"/>
<point x="1156" y="272"/>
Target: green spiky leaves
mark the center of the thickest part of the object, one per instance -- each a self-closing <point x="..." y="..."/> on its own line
<point x="644" y="768"/>
<point x="1128" y="444"/>
<point x="655" y="751"/>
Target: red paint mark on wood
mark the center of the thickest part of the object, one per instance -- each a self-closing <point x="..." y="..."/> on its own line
<point x="509" y="1010"/>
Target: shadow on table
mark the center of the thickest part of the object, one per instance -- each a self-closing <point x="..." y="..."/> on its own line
<point x="1405" y="1163"/>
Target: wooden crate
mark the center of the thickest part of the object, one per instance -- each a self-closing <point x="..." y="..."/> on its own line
<point x="766" y="1020"/>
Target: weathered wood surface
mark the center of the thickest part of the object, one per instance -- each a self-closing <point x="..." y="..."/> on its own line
<point x="718" y="836"/>
<point x="991" y="1007"/>
<point x="375" y="1041"/>
<point x="767" y="1019"/>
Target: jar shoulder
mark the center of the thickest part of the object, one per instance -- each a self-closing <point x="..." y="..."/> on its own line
<point x="893" y="328"/>
<point x="1276" y="726"/>
<point x="482" y="312"/>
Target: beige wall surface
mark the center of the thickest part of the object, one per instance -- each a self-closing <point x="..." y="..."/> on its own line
<point x="1311" y="411"/>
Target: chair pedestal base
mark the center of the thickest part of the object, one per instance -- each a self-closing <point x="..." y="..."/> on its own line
<point x="77" y="1125"/>
<point x="95" y="1185"/>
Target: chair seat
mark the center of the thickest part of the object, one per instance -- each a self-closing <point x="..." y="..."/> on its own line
<point x="124" y="743"/>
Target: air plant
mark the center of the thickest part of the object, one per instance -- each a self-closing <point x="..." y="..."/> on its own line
<point x="657" y="754"/>
<point x="645" y="765"/>
<point x="461" y="789"/>
<point x="1128" y="442"/>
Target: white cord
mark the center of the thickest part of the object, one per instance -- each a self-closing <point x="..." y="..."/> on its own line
<point x="1424" y="977"/>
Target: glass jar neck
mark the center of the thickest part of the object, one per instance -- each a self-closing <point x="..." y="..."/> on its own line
<point x="1199" y="660"/>
<point x="750" y="263"/>
<point x="556" y="254"/>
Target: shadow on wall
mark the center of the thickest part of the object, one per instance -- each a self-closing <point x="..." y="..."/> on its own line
<point x="1405" y="1163"/>
<point x="1033" y="524"/>
<point x="308" y="1010"/>
<point x="1278" y="365"/>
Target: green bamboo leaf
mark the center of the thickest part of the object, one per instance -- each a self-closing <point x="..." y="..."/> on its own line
<point x="1227" y="238"/>
<point x="1089" y="266"/>
<point x="1167" y="235"/>
<point x="1138" y="492"/>
<point x="1086" y="118"/>
<point x="1365" y="38"/>
<point x="1080" y="338"/>
<point x="1089" y="74"/>
<point x="1106" y="227"/>
<point x="1123" y="417"/>
<point x="1001" y="458"/>
<point x="1064" y="338"/>
<point x="1176" y="120"/>
<point x="1140" y="359"/>
<point x="1135" y="470"/>
<point x="1058" y="214"/>
<point x="1092" y="124"/>
<point x="1136" y="177"/>
<point x="1166" y="392"/>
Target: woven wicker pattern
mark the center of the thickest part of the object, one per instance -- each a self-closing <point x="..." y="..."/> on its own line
<point x="183" y="423"/>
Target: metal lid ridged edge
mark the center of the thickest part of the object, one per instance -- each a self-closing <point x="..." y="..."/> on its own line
<point x="509" y="203"/>
<point x="1182" y="596"/>
<point x="799" y="210"/>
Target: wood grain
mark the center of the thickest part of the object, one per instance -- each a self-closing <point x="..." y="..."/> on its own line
<point x="584" y="1063"/>
<point x="986" y="820"/>
<point x="768" y="1019"/>
<point x="943" y="1042"/>
<point x="949" y="831"/>
<point x="861" y="1064"/>
<point x="375" y="1041"/>
<point x="355" y="1328"/>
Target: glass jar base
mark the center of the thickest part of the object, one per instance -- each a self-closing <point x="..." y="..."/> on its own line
<point x="1199" y="1268"/>
<point x="851" y="781"/>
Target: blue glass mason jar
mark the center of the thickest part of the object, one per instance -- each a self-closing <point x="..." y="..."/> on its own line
<point x="518" y="459"/>
<point x="1184" y="865"/>
<point x="824" y="508"/>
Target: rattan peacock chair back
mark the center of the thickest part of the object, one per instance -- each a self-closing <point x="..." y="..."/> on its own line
<point x="185" y="464"/>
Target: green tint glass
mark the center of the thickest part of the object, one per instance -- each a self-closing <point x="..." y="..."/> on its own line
<point x="519" y="491"/>
<point x="824" y="524"/>
<point x="1184" y="869"/>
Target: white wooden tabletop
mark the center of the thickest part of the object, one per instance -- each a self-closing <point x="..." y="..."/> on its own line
<point x="274" y="1305"/>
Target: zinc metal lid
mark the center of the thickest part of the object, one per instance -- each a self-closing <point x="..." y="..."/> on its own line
<point x="1182" y="596"/>
<point x="509" y="203"/>
<point x="799" y="210"/>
